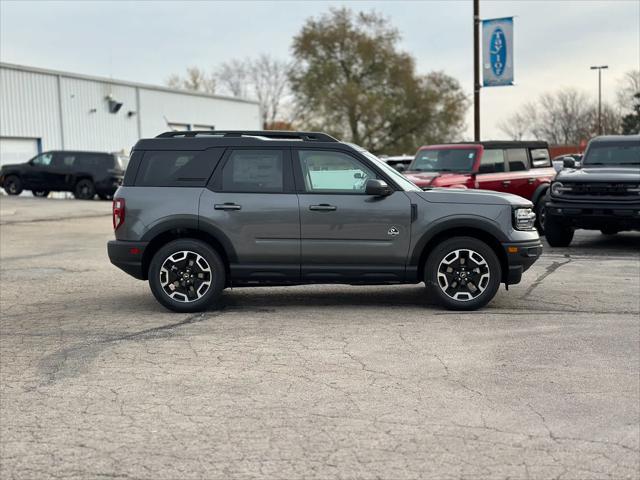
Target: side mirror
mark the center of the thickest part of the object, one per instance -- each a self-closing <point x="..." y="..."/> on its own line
<point x="568" y="162"/>
<point x="378" y="188"/>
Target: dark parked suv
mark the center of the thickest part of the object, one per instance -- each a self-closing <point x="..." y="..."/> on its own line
<point x="201" y="211"/>
<point x="602" y="194"/>
<point x="83" y="173"/>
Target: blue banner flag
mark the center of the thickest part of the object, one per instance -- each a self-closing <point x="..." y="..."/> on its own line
<point x="497" y="52"/>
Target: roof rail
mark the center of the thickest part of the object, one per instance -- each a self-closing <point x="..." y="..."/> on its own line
<point x="270" y="134"/>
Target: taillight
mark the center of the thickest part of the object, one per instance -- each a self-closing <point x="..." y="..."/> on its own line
<point x="118" y="212"/>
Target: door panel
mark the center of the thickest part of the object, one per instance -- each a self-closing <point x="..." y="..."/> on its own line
<point x="251" y="199"/>
<point x="346" y="235"/>
<point x="491" y="175"/>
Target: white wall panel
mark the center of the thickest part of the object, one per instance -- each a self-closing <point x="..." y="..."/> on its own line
<point x="29" y="106"/>
<point x="87" y="122"/>
<point x="157" y="108"/>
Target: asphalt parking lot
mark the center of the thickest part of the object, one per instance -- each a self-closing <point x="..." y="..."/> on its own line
<point x="99" y="381"/>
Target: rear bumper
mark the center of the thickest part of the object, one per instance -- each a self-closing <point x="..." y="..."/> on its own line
<point x="623" y="216"/>
<point x="520" y="256"/>
<point x="128" y="256"/>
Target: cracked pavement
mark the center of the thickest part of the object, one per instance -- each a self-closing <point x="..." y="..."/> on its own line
<point x="97" y="380"/>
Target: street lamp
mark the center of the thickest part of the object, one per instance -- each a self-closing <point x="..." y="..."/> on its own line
<point x="600" y="68"/>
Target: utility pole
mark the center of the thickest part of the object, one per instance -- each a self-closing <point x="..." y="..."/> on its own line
<point x="476" y="70"/>
<point x="600" y="68"/>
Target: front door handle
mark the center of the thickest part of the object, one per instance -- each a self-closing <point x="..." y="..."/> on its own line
<point x="531" y="181"/>
<point x="323" y="207"/>
<point x="227" y="206"/>
<point x="506" y="183"/>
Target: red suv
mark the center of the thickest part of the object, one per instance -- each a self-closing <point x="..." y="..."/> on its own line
<point x="521" y="168"/>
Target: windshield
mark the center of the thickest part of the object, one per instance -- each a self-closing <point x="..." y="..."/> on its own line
<point x="613" y="153"/>
<point x="445" y="160"/>
<point x="405" y="184"/>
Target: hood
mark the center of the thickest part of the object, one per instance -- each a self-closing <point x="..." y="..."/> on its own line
<point x="600" y="174"/>
<point x="10" y="166"/>
<point x="477" y="197"/>
<point x="437" y="179"/>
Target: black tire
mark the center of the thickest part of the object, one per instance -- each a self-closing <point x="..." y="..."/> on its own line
<point x="609" y="231"/>
<point x="84" y="190"/>
<point x="541" y="213"/>
<point x="12" y="185"/>
<point x="40" y="193"/>
<point x="470" y="271"/>
<point x="161" y="288"/>
<point x="103" y="196"/>
<point x="557" y="233"/>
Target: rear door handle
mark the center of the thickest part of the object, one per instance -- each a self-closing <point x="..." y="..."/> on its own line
<point x="531" y="181"/>
<point x="227" y="206"/>
<point x="323" y="207"/>
<point x="506" y="183"/>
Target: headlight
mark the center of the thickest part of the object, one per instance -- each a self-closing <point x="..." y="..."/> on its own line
<point x="524" y="219"/>
<point x="557" y="188"/>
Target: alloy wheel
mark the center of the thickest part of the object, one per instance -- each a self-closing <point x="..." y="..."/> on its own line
<point x="185" y="276"/>
<point x="463" y="274"/>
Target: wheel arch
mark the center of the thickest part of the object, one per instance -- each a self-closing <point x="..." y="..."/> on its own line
<point x="161" y="236"/>
<point x="539" y="192"/>
<point x="431" y="240"/>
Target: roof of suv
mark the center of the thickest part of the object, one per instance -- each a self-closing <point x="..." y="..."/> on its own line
<point x="203" y="139"/>
<point x="616" y="138"/>
<point x="493" y="144"/>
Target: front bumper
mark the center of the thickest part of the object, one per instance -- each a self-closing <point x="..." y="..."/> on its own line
<point x="621" y="215"/>
<point x="128" y="256"/>
<point x="520" y="256"/>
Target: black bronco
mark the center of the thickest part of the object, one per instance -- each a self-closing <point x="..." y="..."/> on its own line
<point x="83" y="173"/>
<point x="602" y="194"/>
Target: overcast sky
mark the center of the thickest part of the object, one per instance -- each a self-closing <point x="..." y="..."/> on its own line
<point x="555" y="42"/>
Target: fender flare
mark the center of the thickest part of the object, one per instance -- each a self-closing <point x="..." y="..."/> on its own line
<point x="539" y="192"/>
<point x="483" y="224"/>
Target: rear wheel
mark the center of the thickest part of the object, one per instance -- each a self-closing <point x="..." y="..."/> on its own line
<point x="557" y="233"/>
<point x="13" y="185"/>
<point x="85" y="190"/>
<point x="187" y="275"/>
<point x="463" y="273"/>
<point x="103" y="196"/>
<point x="40" y="193"/>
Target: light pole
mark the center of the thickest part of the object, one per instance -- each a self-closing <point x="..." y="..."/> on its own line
<point x="600" y="68"/>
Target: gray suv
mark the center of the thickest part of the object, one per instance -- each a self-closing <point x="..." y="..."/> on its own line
<point x="201" y="211"/>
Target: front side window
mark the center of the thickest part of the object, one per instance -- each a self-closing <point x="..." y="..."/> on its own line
<point x="67" y="160"/>
<point x="444" y="160"/>
<point x="254" y="171"/>
<point x="43" y="160"/>
<point x="492" y="161"/>
<point x="517" y="158"/>
<point x="333" y="172"/>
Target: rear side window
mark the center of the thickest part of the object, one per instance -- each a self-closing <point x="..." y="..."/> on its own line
<point x="540" y="158"/>
<point x="176" y="168"/>
<point x="254" y="171"/>
<point x="517" y="158"/>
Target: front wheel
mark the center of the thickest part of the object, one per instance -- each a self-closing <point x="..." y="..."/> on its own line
<point x="541" y="214"/>
<point x="85" y="190"/>
<point x="13" y="185"/>
<point x="463" y="273"/>
<point x="187" y="275"/>
<point x="40" y="193"/>
<point x="557" y="233"/>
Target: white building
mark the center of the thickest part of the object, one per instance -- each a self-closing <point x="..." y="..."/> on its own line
<point x="49" y="110"/>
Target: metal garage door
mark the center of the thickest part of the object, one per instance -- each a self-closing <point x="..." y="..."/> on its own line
<point x="17" y="150"/>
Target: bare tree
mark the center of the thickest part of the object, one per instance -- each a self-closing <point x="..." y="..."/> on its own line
<point x="233" y="78"/>
<point x="518" y="126"/>
<point x="195" y="79"/>
<point x="628" y="86"/>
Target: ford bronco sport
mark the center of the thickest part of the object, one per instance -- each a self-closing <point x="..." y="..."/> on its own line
<point x="603" y="194"/>
<point x="201" y="211"/>
<point x="519" y="167"/>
